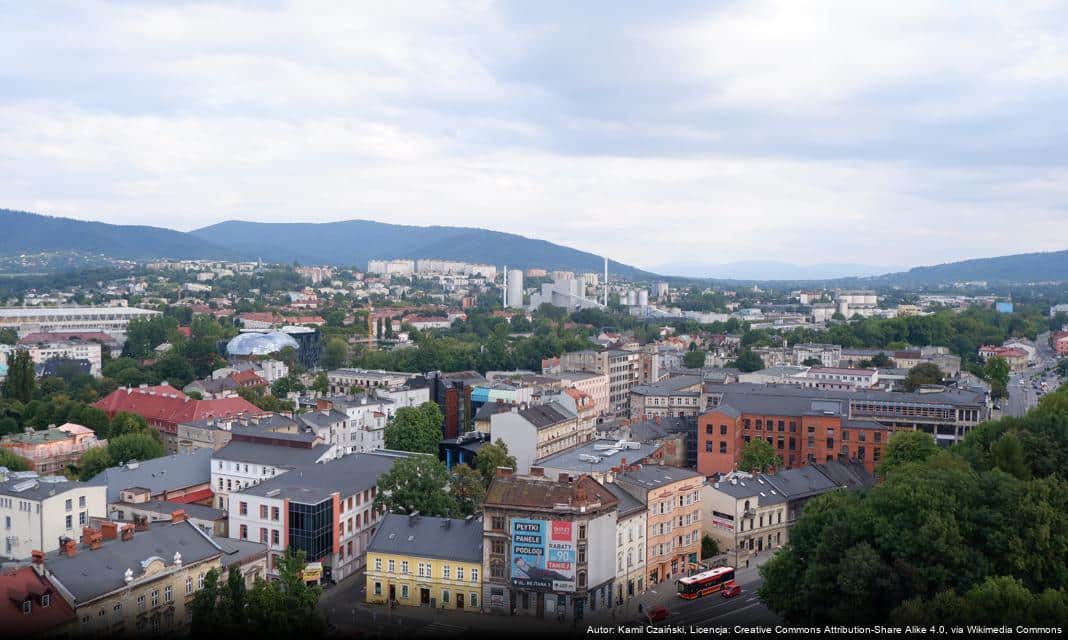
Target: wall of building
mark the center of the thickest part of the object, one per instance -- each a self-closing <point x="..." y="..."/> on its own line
<point x="408" y="587"/>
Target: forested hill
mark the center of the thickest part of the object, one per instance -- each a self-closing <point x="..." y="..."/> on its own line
<point x="357" y="241"/>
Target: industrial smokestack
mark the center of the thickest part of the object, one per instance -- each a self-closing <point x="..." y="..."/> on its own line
<point x="504" y="302"/>
<point x="606" y="281"/>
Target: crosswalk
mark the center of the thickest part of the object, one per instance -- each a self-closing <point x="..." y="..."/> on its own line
<point x="439" y="630"/>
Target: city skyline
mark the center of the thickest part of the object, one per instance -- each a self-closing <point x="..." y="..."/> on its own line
<point x="808" y="135"/>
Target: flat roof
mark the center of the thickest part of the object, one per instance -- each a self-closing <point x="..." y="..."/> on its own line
<point x="570" y="459"/>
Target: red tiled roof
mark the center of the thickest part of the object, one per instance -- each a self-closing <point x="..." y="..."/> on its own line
<point x="24" y="584"/>
<point x="248" y="378"/>
<point x="193" y="496"/>
<point x="166" y="404"/>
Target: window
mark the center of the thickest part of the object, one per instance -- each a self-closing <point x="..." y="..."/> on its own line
<point x="474" y="574"/>
<point x="459" y="573"/>
<point x="141" y="602"/>
<point x="200" y="581"/>
<point x="392" y="566"/>
<point x="46" y="600"/>
<point x="378" y="564"/>
<point x="498" y="522"/>
<point x="189" y="585"/>
<point x="474" y="599"/>
<point x="274" y="513"/>
<point x="404" y="566"/>
<point x="168" y="594"/>
<point x="244" y="532"/>
<point x="446" y="572"/>
<point x="378" y="588"/>
<point x="69" y="505"/>
<point x="582" y="532"/>
<point x="263" y="535"/>
<point x="275" y="537"/>
<point x="445" y="596"/>
<point x="722" y="429"/>
<point x="582" y="579"/>
<point x="582" y="554"/>
<point x="81" y="501"/>
<point x="243" y="508"/>
<point x="263" y="512"/>
<point x="419" y="570"/>
<point x="708" y="429"/>
<point x="27" y="605"/>
<point x="155" y="597"/>
<point x="69" y="521"/>
<point x="708" y="446"/>
<point x="404" y="591"/>
<point x="723" y="446"/>
<point x="498" y="546"/>
<point x="83" y="518"/>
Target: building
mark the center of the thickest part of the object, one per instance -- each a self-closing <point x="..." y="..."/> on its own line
<point x="165" y="407"/>
<point x="109" y="320"/>
<point x="180" y="478"/>
<point x="535" y="432"/>
<point x="99" y="337"/>
<point x="828" y="355"/>
<point x="679" y="396"/>
<point x="623" y="369"/>
<point x="36" y="511"/>
<point x="326" y="510"/>
<point x="417" y="560"/>
<point x="349" y="381"/>
<point x="631" y="525"/>
<point x="1018" y="359"/>
<point x="749" y="514"/>
<point x="42" y="352"/>
<point x="242" y="464"/>
<point x="526" y="516"/>
<point x="600" y="459"/>
<point x="596" y="385"/>
<point x="33" y="608"/>
<point x="1058" y="341"/>
<point x="452" y="392"/>
<point x="136" y="504"/>
<point x="51" y="451"/>
<point x="817" y="425"/>
<point x="123" y="579"/>
<point x="840" y="378"/>
<point x="672" y="497"/>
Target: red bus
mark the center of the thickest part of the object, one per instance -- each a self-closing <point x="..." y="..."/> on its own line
<point x="704" y="583"/>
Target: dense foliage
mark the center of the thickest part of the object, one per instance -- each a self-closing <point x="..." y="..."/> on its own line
<point x="415" y="429"/>
<point x="988" y="513"/>
<point x="418" y="484"/>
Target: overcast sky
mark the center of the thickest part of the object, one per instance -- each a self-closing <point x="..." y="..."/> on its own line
<point x="687" y="132"/>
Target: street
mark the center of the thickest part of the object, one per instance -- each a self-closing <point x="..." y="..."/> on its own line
<point x="1024" y="387"/>
<point x="344" y="608"/>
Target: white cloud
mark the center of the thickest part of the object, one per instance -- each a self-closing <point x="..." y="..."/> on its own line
<point x="814" y="132"/>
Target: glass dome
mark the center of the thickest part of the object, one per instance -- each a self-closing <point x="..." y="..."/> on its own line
<point x="260" y="344"/>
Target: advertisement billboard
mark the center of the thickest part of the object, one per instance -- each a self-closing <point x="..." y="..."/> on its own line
<point x="543" y="554"/>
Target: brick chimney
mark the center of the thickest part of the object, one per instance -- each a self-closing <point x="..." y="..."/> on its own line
<point x="110" y="530"/>
<point x="178" y="515"/>
<point x="537" y="471"/>
<point x="69" y="547"/>
<point x="140" y="523"/>
<point x="322" y="404"/>
<point x="92" y="538"/>
<point x="503" y="472"/>
<point x="127" y="533"/>
<point x="38" y="557"/>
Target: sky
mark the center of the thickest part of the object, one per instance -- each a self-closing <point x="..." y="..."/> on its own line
<point x="681" y="133"/>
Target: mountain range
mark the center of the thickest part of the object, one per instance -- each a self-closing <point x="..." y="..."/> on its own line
<point x="354" y="242"/>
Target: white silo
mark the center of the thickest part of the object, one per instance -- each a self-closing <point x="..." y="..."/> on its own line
<point x="632" y="298"/>
<point x="643" y="297"/>
<point x="515" y="288"/>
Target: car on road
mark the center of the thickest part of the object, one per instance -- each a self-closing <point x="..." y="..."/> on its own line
<point x="656" y="614"/>
<point x="731" y="589"/>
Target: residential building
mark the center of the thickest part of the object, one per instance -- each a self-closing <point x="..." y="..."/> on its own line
<point x="417" y="560"/>
<point x="631" y="525"/>
<point x="452" y="392"/>
<point x="829" y="355"/>
<point x="51" y="451"/>
<point x="348" y="381"/>
<point x="1017" y="358"/>
<point x="841" y="378"/>
<point x="1058" y="341"/>
<point x="600" y="459"/>
<point x="535" y="432"/>
<point x="36" y="511"/>
<point x="42" y="352"/>
<point x="33" y="607"/>
<point x="672" y="497"/>
<point x="623" y="369"/>
<point x="325" y="509"/>
<point x="596" y="385"/>
<point x="525" y="516"/>
<point x="99" y="337"/>
<point x="679" y="396"/>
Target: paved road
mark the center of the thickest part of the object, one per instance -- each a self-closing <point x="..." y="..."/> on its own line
<point x="344" y="607"/>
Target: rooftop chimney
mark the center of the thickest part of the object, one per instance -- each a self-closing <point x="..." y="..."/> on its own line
<point x="92" y="538"/>
<point x="69" y="547"/>
<point x="503" y="472"/>
<point x="109" y="530"/>
<point x="140" y="523"/>
<point x="537" y="471"/>
<point x="38" y="556"/>
<point x="127" y="533"/>
<point x="178" y="515"/>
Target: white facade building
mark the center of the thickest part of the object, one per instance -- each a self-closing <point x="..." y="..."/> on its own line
<point x="36" y="511"/>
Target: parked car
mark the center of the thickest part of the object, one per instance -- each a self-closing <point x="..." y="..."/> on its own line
<point x="656" y="614"/>
<point x="730" y="590"/>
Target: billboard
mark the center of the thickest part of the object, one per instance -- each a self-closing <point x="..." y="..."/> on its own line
<point x="543" y="554"/>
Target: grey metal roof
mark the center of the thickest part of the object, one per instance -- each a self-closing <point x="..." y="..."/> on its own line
<point x="800" y="483"/>
<point x="269" y="454"/>
<point x="671" y="386"/>
<point x="628" y="504"/>
<point x="569" y="460"/>
<point x="426" y="537"/>
<point x="546" y="415"/>
<point x="239" y="551"/>
<point x="198" y="511"/>
<point x="323" y="419"/>
<point x="789" y="399"/>
<point x="312" y="484"/>
<point x="168" y="473"/>
<point x="90" y="574"/>
<point x="38" y="487"/>
<point x="656" y="475"/>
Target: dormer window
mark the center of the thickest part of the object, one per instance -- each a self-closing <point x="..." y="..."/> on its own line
<point x="46" y="600"/>
<point x="27" y="606"/>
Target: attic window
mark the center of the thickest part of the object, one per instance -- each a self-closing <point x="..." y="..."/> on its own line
<point x="46" y="600"/>
<point x="27" y="606"/>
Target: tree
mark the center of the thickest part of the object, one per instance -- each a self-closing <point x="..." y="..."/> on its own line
<point x="125" y="422"/>
<point x="1008" y="455"/>
<point x="694" y="359"/>
<point x="493" y="455"/>
<point x="758" y="454"/>
<point x="286" y="607"/>
<point x="415" y="429"/>
<point x="93" y="462"/>
<point x="21" y="376"/>
<point x="906" y="447"/>
<point x="416" y="484"/>
<point x="8" y="336"/>
<point x="13" y="461"/>
<point x="465" y="484"/>
<point x="921" y="374"/>
<point x="321" y="383"/>
<point x="812" y="362"/>
<point x="748" y="361"/>
<point x="134" y="446"/>
<point x="996" y="372"/>
<point x="1062" y="367"/>
<point x="174" y="369"/>
<point x="881" y="360"/>
<point x="709" y="546"/>
<point x="335" y="354"/>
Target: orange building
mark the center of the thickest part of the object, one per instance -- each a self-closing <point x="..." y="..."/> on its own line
<point x="672" y="497"/>
<point x="51" y="451"/>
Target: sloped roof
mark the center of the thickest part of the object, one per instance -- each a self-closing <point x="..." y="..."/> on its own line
<point x="168" y="473"/>
<point x="426" y="537"/>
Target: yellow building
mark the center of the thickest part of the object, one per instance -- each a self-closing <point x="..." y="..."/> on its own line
<point x="423" y="561"/>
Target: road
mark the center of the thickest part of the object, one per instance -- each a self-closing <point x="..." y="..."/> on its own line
<point x="343" y="605"/>
<point x="1021" y="388"/>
